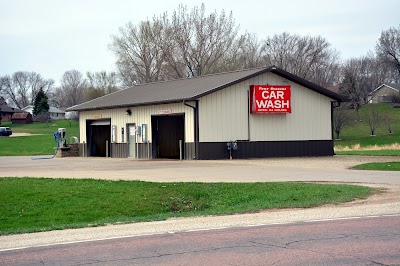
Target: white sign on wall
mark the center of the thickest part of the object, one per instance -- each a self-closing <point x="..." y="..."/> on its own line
<point x="132" y="131"/>
<point x="165" y="112"/>
<point x="113" y="132"/>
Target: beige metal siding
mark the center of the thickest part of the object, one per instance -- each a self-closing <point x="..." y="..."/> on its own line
<point x="223" y="115"/>
<point x="140" y="115"/>
<point x="310" y="119"/>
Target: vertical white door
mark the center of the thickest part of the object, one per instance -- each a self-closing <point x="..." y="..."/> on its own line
<point x="132" y="140"/>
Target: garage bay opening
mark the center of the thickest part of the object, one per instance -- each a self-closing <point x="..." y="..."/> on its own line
<point x="99" y="137"/>
<point x="167" y="131"/>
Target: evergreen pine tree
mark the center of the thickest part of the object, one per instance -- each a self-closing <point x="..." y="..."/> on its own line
<point x="41" y="103"/>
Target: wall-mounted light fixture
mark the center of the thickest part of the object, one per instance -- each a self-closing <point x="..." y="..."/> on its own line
<point x="128" y="112"/>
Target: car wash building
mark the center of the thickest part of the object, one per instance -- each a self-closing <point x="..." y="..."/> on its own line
<point x="254" y="113"/>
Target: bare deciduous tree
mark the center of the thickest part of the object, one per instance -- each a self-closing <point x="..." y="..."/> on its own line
<point x="139" y="52"/>
<point x="379" y="73"/>
<point x="388" y="49"/>
<point x="106" y="82"/>
<point x="43" y="117"/>
<point x="358" y="81"/>
<point x="71" y="91"/>
<point x="341" y="118"/>
<point x="100" y="84"/>
<point x="248" y="54"/>
<point x="308" y="57"/>
<point x="21" y="88"/>
<point x="5" y="88"/>
<point x="373" y="117"/>
<point x="189" y="43"/>
<point x="204" y="43"/>
<point x="388" y="120"/>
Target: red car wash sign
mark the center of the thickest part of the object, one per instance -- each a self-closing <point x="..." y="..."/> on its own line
<point x="270" y="99"/>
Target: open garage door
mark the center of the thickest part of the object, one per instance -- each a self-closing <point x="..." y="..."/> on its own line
<point x="99" y="137"/>
<point x="166" y="132"/>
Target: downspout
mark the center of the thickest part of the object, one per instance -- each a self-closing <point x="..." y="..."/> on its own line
<point x="196" y="127"/>
<point x="333" y="136"/>
<point x="248" y="115"/>
<point x="333" y="106"/>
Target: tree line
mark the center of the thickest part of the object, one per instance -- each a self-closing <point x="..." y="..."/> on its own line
<point x="22" y="87"/>
<point x="190" y="43"/>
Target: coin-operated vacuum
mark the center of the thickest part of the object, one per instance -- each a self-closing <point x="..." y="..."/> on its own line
<point x="60" y="138"/>
<point x="231" y="145"/>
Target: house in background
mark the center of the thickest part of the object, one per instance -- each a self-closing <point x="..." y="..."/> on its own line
<point x="7" y="111"/>
<point x="384" y="93"/>
<point x="72" y="115"/>
<point x="55" y="113"/>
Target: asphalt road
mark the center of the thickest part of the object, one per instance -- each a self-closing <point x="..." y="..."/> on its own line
<point x="356" y="241"/>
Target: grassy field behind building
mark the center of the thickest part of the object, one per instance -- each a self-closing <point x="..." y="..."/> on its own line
<point x="356" y="139"/>
<point x="40" y="143"/>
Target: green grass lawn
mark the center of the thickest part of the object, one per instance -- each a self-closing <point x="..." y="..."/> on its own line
<point x="38" y="144"/>
<point x="386" y="166"/>
<point x="39" y="204"/>
<point x="370" y="153"/>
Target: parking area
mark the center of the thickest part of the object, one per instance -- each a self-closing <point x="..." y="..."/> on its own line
<point x="320" y="169"/>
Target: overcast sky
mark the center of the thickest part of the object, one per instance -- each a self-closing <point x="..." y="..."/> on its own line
<point x="53" y="36"/>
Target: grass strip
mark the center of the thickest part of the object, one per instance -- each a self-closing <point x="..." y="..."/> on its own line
<point x="42" y="204"/>
<point x="370" y="153"/>
<point x="385" y="166"/>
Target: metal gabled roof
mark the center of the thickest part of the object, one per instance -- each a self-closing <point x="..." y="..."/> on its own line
<point x="9" y="109"/>
<point x="188" y="89"/>
<point x="391" y="86"/>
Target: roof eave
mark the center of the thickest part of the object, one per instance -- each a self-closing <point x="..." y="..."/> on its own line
<point x="265" y="70"/>
<point x="308" y="84"/>
<point x="284" y="74"/>
<point x="130" y="105"/>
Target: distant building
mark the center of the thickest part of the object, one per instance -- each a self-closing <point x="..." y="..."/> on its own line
<point x="55" y="113"/>
<point x="6" y="112"/>
<point x="384" y="93"/>
<point x="22" y="118"/>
